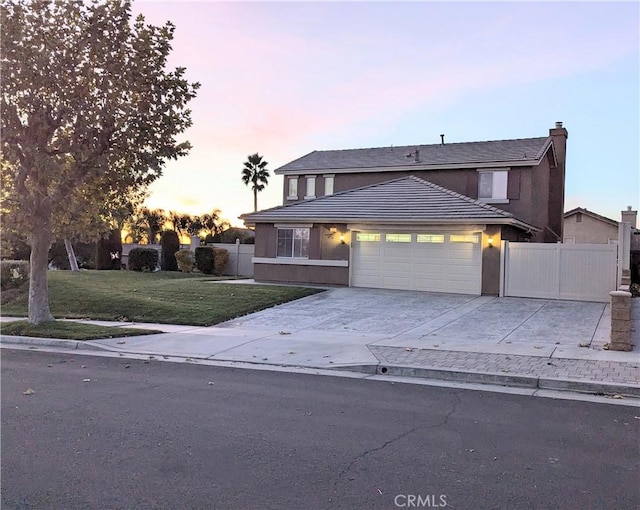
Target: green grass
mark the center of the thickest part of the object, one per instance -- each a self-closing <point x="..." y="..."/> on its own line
<point x="70" y="330"/>
<point x="162" y="297"/>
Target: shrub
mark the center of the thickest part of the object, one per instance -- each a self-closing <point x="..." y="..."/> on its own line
<point x="13" y="273"/>
<point x="186" y="260"/>
<point x="210" y="239"/>
<point x="109" y="251"/>
<point x="231" y="234"/>
<point x="170" y="245"/>
<point x="204" y="259"/>
<point x="143" y="259"/>
<point x="220" y="259"/>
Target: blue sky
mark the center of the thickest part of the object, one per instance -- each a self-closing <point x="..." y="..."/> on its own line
<point x="286" y="78"/>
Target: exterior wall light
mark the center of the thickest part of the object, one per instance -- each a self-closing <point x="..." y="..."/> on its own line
<point x="341" y="238"/>
<point x="490" y="242"/>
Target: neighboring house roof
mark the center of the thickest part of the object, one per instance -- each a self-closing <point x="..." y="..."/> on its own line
<point x="404" y="200"/>
<point x="593" y="215"/>
<point x="520" y="152"/>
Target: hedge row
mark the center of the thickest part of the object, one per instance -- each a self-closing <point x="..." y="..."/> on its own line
<point x="170" y="243"/>
<point x="143" y="259"/>
<point x="210" y="260"/>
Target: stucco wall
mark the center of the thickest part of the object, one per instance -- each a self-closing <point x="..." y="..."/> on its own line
<point x="528" y="191"/>
<point x="323" y="245"/>
<point x="301" y="274"/>
<point x="589" y="230"/>
<point x="491" y="260"/>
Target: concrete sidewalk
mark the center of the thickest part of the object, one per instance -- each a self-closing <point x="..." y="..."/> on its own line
<point x="530" y="343"/>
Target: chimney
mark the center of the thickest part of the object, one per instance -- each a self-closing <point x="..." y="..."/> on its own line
<point x="630" y="216"/>
<point x="441" y="139"/>
<point x="559" y="131"/>
<point x="417" y="156"/>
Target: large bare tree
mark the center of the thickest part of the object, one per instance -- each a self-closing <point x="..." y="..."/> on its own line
<point x="88" y="108"/>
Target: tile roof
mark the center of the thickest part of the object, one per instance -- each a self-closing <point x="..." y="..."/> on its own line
<point x="404" y="200"/>
<point x="524" y="151"/>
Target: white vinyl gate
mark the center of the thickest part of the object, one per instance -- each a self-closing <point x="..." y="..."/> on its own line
<point x="579" y="272"/>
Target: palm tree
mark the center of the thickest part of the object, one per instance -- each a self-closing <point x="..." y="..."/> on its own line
<point x="213" y="224"/>
<point x="256" y="173"/>
<point x="153" y="221"/>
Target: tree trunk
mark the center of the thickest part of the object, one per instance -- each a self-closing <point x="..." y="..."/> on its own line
<point x="71" y="254"/>
<point x="255" y="200"/>
<point x="39" y="311"/>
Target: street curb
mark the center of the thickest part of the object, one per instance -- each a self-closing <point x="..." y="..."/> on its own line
<point x="501" y="379"/>
<point x="596" y="387"/>
<point x="49" y="342"/>
<point x="447" y="374"/>
<point x="436" y="373"/>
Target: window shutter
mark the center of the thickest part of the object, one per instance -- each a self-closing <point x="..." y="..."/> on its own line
<point x="513" y="185"/>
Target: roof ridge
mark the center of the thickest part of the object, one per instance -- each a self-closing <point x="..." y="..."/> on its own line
<point x="407" y="146"/>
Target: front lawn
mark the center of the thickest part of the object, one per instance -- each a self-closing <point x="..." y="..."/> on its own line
<point x="162" y="297"/>
<point x="70" y="330"/>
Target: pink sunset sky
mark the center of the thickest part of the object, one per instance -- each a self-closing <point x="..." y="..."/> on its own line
<point x="286" y="78"/>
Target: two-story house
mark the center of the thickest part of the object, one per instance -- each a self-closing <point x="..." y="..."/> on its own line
<point x="425" y="217"/>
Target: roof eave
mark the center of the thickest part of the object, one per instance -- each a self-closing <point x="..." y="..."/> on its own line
<point x="412" y="168"/>
<point x="395" y="221"/>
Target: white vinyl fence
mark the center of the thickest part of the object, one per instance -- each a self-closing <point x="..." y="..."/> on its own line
<point x="580" y="272"/>
<point x="240" y="256"/>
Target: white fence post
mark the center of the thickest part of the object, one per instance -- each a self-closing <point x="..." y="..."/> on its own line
<point x="237" y="255"/>
<point x="504" y="257"/>
<point x="624" y="249"/>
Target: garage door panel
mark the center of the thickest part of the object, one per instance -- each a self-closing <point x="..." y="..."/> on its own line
<point x="396" y="283"/>
<point x="430" y="262"/>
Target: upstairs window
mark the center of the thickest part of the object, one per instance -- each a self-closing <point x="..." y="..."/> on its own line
<point x="311" y="186"/>
<point x="493" y="185"/>
<point x="292" y="190"/>
<point x="328" y="184"/>
<point x="293" y="242"/>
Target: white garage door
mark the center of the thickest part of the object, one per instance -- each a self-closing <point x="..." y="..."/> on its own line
<point x="436" y="262"/>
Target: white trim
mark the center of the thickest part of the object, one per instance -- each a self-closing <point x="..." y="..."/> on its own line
<point x="288" y="261"/>
<point x="293" y="225"/>
<point x="368" y="227"/>
<point x="494" y="200"/>
<point x="506" y="169"/>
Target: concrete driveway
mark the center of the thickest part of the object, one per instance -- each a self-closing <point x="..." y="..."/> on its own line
<point x="424" y="320"/>
<point x="347" y="326"/>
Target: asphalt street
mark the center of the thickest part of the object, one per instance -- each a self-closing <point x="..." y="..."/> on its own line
<point x="113" y="433"/>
